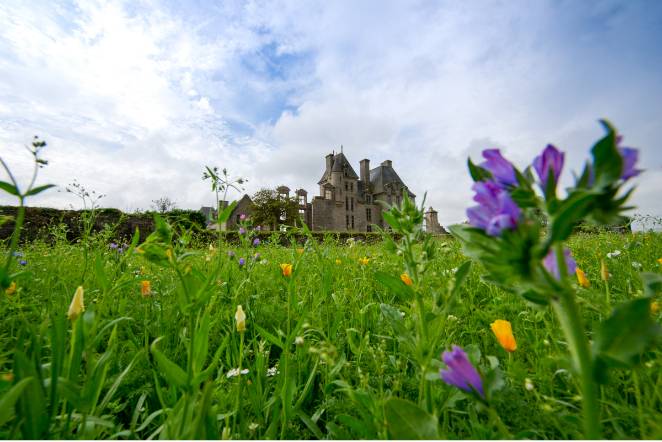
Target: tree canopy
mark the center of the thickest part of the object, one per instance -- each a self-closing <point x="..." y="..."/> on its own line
<point x="272" y="209"/>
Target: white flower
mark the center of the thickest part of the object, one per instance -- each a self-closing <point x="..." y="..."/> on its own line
<point x="253" y="426"/>
<point x="451" y="318"/>
<point x="613" y="254"/>
<point x="235" y="372"/>
<point x="298" y="341"/>
<point x="636" y="265"/>
<point x="273" y="371"/>
<point x="528" y="384"/>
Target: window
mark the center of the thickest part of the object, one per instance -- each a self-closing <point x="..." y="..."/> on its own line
<point x="351" y="186"/>
<point x="352" y="222"/>
<point x="352" y="204"/>
<point x="368" y="215"/>
<point x="302" y="199"/>
<point x="369" y="228"/>
<point x="347" y="221"/>
<point x="328" y="195"/>
<point x="346" y="203"/>
<point x="302" y="211"/>
<point x="368" y="199"/>
<point x="345" y="185"/>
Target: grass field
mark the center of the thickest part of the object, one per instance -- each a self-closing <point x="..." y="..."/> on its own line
<point x="324" y="351"/>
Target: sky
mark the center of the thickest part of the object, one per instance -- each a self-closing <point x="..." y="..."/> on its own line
<point x="135" y="98"/>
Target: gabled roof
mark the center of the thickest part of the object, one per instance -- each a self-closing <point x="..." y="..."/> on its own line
<point x="383" y="175"/>
<point x="339" y="164"/>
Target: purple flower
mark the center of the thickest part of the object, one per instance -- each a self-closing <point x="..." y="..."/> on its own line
<point x="496" y="210"/>
<point x="242" y="217"/>
<point x="242" y="230"/>
<point x="242" y="261"/>
<point x="23" y="262"/>
<point x="256" y="242"/>
<point x="630" y="157"/>
<point x="461" y="373"/>
<point x="551" y="264"/>
<point x="231" y="253"/>
<point x="258" y="228"/>
<point x="551" y="159"/>
<point x="112" y="245"/>
<point x="502" y="171"/>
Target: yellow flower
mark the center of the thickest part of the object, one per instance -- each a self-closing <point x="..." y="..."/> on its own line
<point x="604" y="272"/>
<point x="581" y="278"/>
<point x="364" y="261"/>
<point x="7" y="377"/>
<point x="77" y="306"/>
<point x="145" y="288"/>
<point x="655" y="307"/>
<point x="11" y="289"/>
<point x="338" y="262"/>
<point x="286" y="269"/>
<point x="240" y="317"/>
<point x="406" y="279"/>
<point x="504" y="334"/>
<point x="168" y="253"/>
<point x="300" y="251"/>
<point x="659" y="260"/>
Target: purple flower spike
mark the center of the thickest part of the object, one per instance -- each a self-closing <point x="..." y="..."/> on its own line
<point x="256" y="242"/>
<point x="552" y="160"/>
<point x="242" y="230"/>
<point x="242" y="261"/>
<point x="501" y="169"/>
<point x="496" y="210"/>
<point x="23" y="262"/>
<point x="551" y="264"/>
<point x="630" y="157"/>
<point x="461" y="373"/>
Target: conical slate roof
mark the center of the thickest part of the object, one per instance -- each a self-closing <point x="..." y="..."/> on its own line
<point x="339" y="164"/>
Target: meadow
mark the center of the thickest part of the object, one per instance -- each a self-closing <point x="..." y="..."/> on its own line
<point x="327" y="349"/>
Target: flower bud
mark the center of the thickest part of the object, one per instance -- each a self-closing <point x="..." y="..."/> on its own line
<point x="77" y="305"/>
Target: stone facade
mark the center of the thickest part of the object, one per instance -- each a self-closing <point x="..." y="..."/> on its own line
<point x="432" y="222"/>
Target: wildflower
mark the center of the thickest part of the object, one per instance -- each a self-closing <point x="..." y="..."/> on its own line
<point x="77" y="305"/>
<point x="258" y="228"/>
<point x="256" y="257"/>
<point x="242" y="230"/>
<point x="504" y="334"/>
<point x="113" y="245"/>
<point x="364" y="261"/>
<point x="630" y="157"/>
<point x="655" y="307"/>
<point x="613" y="254"/>
<point x="451" y="318"/>
<point x="286" y="269"/>
<point x="240" y="317"/>
<point x="582" y="279"/>
<point x="406" y="279"/>
<point x="338" y="261"/>
<point x="461" y="373"/>
<point x="502" y="171"/>
<point x="495" y="211"/>
<point x="145" y="288"/>
<point x="242" y="217"/>
<point x="528" y="384"/>
<point x="242" y="261"/>
<point x="298" y="341"/>
<point x="604" y="272"/>
<point x="7" y="377"/>
<point x="659" y="260"/>
<point x="636" y="265"/>
<point x="231" y="253"/>
<point x="252" y="426"/>
<point x="234" y="372"/>
<point x="551" y="160"/>
<point x="211" y="247"/>
<point x="551" y="264"/>
<point x="273" y="371"/>
<point x="11" y="289"/>
<point x="256" y="242"/>
<point x="23" y="262"/>
<point x="300" y="251"/>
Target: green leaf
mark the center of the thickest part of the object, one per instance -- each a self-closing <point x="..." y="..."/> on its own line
<point x="607" y="161"/>
<point x="478" y="173"/>
<point x="225" y="214"/>
<point x="39" y="189"/>
<point x="569" y="213"/>
<point x="9" y="188"/>
<point x="624" y="336"/>
<point x="394" y="318"/>
<point x="406" y="420"/>
<point x="460" y="276"/>
<point x="395" y="285"/>
<point x="652" y="283"/>
<point x="9" y="399"/>
<point x="172" y="372"/>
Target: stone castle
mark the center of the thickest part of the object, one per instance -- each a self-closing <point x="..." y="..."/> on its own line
<point x="347" y="202"/>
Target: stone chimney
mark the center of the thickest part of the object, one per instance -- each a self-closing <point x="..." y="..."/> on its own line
<point x="387" y="163"/>
<point x="329" y="162"/>
<point x="364" y="171"/>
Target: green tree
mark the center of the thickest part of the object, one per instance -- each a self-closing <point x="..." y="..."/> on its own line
<point x="273" y="210"/>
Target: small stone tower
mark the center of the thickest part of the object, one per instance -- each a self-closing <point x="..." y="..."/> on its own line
<point x="432" y="223"/>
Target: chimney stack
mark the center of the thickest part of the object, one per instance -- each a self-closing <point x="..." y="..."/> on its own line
<point x="387" y="163"/>
<point x="364" y="170"/>
<point x="329" y="162"/>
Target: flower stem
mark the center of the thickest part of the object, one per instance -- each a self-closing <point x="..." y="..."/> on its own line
<point x="568" y="314"/>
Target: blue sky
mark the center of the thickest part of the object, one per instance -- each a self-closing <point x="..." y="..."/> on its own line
<point x="136" y="97"/>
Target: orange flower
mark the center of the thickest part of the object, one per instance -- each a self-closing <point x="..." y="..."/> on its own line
<point x="655" y="307"/>
<point x="11" y="289"/>
<point x="7" y="377"/>
<point x="406" y="279"/>
<point x="581" y="278"/>
<point x="364" y="261"/>
<point x="145" y="288"/>
<point x="504" y="334"/>
<point x="604" y="272"/>
<point x="286" y="269"/>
